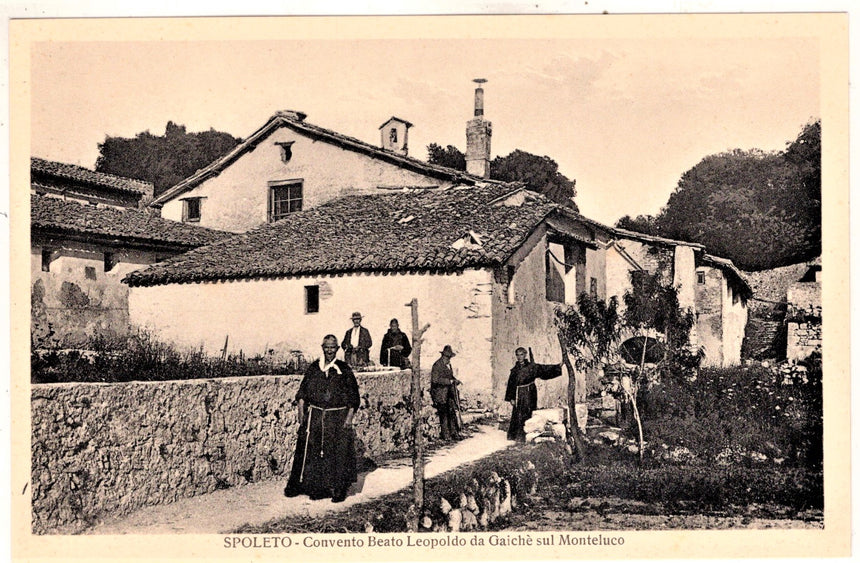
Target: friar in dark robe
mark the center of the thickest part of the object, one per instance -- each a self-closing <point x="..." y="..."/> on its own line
<point x="324" y="465"/>
<point x="522" y="391"/>
<point x="395" y="347"/>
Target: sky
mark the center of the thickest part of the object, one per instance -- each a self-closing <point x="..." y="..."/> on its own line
<point x="625" y="118"/>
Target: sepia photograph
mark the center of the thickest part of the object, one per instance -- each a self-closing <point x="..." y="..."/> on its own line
<point x="361" y="288"/>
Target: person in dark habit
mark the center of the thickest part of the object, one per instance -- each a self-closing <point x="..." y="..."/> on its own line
<point x="324" y="465"/>
<point x="444" y="394"/>
<point x="356" y="343"/>
<point x="522" y="391"/>
<point x="395" y="347"/>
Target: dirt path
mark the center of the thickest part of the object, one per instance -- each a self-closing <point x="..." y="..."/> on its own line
<point x="226" y="510"/>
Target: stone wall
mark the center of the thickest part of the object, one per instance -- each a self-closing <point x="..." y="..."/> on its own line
<point x="802" y="340"/>
<point x="107" y="449"/>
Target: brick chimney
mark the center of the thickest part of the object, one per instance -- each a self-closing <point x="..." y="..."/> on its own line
<point x="478" y="133"/>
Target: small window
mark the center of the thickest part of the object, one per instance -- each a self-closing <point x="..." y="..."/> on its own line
<point x="284" y="198"/>
<point x="312" y="299"/>
<point x="700" y="277"/>
<point x="512" y="294"/>
<point x="392" y="136"/>
<point x="286" y="150"/>
<point x="47" y="256"/>
<point x="191" y="210"/>
<point x="90" y="272"/>
<point x="110" y="261"/>
<point x="592" y="289"/>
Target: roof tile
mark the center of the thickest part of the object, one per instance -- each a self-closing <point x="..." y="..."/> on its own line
<point x="55" y="214"/>
<point x="87" y="176"/>
<point x="361" y="233"/>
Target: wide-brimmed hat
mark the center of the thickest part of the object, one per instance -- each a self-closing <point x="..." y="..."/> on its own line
<point x="356" y="315"/>
<point x="447" y="351"/>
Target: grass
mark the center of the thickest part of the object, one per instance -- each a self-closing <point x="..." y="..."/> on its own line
<point x="607" y="484"/>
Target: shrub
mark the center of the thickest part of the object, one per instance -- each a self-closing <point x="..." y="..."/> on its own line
<point x="749" y="408"/>
<point x="141" y="357"/>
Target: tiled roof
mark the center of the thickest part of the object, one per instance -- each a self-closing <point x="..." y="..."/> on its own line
<point x="83" y="175"/>
<point x="728" y="267"/>
<point x="296" y="121"/>
<point x="51" y="214"/>
<point x="408" y="231"/>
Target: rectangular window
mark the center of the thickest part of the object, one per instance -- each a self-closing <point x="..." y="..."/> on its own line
<point x="700" y="277"/>
<point x="285" y="197"/>
<point x="191" y="210"/>
<point x="47" y="255"/>
<point x="592" y="289"/>
<point x="110" y="261"/>
<point x="312" y="299"/>
<point x="90" y="272"/>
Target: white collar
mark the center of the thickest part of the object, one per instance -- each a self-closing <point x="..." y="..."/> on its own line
<point x="325" y="368"/>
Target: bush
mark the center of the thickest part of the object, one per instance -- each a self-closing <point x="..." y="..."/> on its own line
<point x="141" y="357"/>
<point x="747" y="409"/>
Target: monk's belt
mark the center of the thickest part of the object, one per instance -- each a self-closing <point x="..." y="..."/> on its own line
<point x="525" y="384"/>
<point x="325" y="409"/>
<point x="311" y="409"/>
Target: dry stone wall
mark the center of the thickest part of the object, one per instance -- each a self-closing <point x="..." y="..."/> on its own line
<point x="107" y="449"/>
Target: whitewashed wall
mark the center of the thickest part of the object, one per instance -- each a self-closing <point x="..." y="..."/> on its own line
<point x="527" y="320"/>
<point x="237" y="199"/>
<point x="734" y="325"/>
<point x="263" y="314"/>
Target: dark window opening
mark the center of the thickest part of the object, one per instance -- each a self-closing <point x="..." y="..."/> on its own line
<point x="286" y="151"/>
<point x="312" y="299"/>
<point x="47" y="255"/>
<point x="110" y="261"/>
<point x="593" y="287"/>
<point x="191" y="209"/>
<point x="90" y="272"/>
<point x="392" y="135"/>
<point x="700" y="277"/>
<point x="283" y="200"/>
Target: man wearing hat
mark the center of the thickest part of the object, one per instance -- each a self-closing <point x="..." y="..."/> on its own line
<point x="356" y="343"/>
<point x="444" y="394"/>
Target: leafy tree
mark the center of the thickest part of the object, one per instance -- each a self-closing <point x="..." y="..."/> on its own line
<point x="538" y="173"/>
<point x="641" y="224"/>
<point x="593" y="331"/>
<point x="761" y="210"/>
<point x="450" y="156"/>
<point x="163" y="160"/>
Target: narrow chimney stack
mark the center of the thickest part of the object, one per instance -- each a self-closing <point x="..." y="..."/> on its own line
<point x="478" y="134"/>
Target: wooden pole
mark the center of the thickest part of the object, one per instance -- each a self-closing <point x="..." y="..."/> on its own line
<point x="573" y="433"/>
<point x="417" y="426"/>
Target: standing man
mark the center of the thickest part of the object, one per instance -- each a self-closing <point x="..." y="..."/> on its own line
<point x="395" y="347"/>
<point x="522" y="391"/>
<point x="444" y="394"/>
<point x="324" y="463"/>
<point x="356" y="343"/>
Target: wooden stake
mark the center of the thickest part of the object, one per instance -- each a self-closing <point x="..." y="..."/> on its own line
<point x="417" y="426"/>
<point x="573" y="433"/>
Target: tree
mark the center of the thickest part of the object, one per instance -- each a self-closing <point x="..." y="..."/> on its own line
<point x="450" y="156"/>
<point x="760" y="209"/>
<point x="641" y="224"/>
<point x="594" y="329"/>
<point x="165" y="160"/>
<point x="538" y="173"/>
